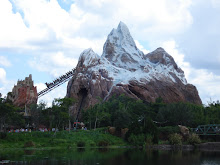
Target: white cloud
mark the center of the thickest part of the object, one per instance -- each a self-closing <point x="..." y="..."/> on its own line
<point x="207" y="83"/>
<point x="13" y="32"/>
<point x="59" y="92"/>
<point x="2" y="75"/>
<point x="43" y="26"/>
<point x="4" y="61"/>
<point x="60" y="60"/>
<point x="141" y="47"/>
<point x="40" y="86"/>
<point x="87" y="19"/>
<point x="5" y="85"/>
<point x="55" y="64"/>
<point x="146" y="18"/>
<point x="172" y="48"/>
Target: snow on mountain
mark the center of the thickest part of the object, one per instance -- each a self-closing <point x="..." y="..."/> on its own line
<point x="124" y="69"/>
<point x="87" y="58"/>
<point x="125" y="62"/>
<point x="121" y="50"/>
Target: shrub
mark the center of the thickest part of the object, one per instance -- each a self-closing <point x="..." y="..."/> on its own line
<point x="164" y="132"/>
<point x="91" y="143"/>
<point x="29" y="144"/>
<point x="137" y="140"/>
<point x="155" y="139"/>
<point x="3" y="135"/>
<point x="194" y="139"/>
<point x="137" y="134"/>
<point x="57" y="142"/>
<point x="151" y="129"/>
<point x="175" y="139"/>
<point x="149" y="140"/>
<point x="103" y="143"/>
<point x="169" y="129"/>
<point x="81" y="144"/>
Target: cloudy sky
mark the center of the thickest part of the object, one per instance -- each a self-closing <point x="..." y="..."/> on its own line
<point x="45" y="37"/>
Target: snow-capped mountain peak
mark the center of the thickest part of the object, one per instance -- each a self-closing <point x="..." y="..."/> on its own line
<point x="124" y="69"/>
<point x="121" y="50"/>
<point x="125" y="36"/>
<point x="121" y="58"/>
<point x="87" y="58"/>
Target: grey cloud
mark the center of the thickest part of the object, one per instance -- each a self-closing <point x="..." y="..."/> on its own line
<point x="201" y="42"/>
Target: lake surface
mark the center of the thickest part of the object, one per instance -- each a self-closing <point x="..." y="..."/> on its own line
<point x="109" y="157"/>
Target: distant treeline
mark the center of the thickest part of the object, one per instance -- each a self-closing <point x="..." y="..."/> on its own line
<point x="123" y="111"/>
<point x="119" y="112"/>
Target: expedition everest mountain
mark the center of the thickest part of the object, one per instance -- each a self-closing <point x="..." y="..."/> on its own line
<point x="124" y="69"/>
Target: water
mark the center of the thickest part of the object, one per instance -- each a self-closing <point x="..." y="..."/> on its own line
<point x="109" y="157"/>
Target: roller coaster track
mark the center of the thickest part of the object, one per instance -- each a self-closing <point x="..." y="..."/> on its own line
<point x="57" y="82"/>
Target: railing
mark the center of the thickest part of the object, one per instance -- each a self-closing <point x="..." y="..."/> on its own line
<point x="57" y="82"/>
<point x="210" y="129"/>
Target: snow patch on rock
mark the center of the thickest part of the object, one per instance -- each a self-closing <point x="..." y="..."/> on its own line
<point x="121" y="50"/>
<point x="88" y="57"/>
<point x="124" y="62"/>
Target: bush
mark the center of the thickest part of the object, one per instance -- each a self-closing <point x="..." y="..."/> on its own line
<point x="81" y="144"/>
<point x="169" y="129"/>
<point x="137" y="140"/>
<point x="164" y="132"/>
<point x="155" y="139"/>
<point x="175" y="139"/>
<point x="3" y="135"/>
<point x="149" y="140"/>
<point x="29" y="144"/>
<point x="103" y="143"/>
<point x="137" y="134"/>
<point x="194" y="139"/>
<point x="91" y="143"/>
<point x="151" y="129"/>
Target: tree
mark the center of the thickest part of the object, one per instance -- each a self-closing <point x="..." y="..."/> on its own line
<point x="212" y="113"/>
<point x="36" y="113"/>
<point x="181" y="114"/>
<point x="97" y="115"/>
<point x="61" y="112"/>
<point x="5" y="110"/>
<point x="119" y="112"/>
<point x="9" y="115"/>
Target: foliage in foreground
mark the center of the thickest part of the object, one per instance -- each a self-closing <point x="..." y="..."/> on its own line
<point x="120" y="112"/>
<point x="93" y="138"/>
<point x="194" y="139"/>
<point x="175" y="139"/>
<point x="9" y="115"/>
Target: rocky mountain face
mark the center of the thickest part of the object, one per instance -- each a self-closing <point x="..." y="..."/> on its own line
<point x="124" y="69"/>
<point x="24" y="93"/>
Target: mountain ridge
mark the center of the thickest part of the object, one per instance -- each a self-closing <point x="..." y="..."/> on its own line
<point x="123" y="68"/>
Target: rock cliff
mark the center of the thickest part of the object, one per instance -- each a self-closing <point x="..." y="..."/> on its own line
<point x="124" y="69"/>
<point x="24" y="93"/>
